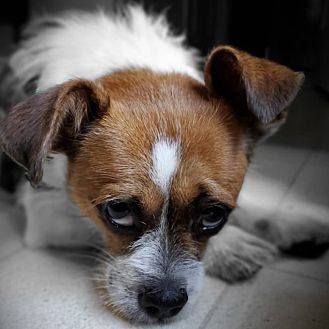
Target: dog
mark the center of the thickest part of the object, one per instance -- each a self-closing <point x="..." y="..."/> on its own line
<point x="132" y="147"/>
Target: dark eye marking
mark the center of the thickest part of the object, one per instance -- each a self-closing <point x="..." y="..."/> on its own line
<point x="211" y="220"/>
<point x="121" y="215"/>
<point x="208" y="216"/>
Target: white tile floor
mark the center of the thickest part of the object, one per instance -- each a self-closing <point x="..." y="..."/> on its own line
<point x="48" y="289"/>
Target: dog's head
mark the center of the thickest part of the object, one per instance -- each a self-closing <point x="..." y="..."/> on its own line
<point x="157" y="161"/>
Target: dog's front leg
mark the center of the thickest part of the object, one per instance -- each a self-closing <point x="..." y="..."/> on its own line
<point x="52" y="220"/>
<point x="301" y="230"/>
<point x="235" y="255"/>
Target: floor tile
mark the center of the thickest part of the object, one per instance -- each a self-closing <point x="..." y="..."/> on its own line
<point x="312" y="183"/>
<point x="11" y="227"/>
<point x="276" y="300"/>
<point x="268" y="153"/>
<point x="40" y="289"/>
<point x="317" y="269"/>
<point x="308" y="199"/>
<point x="319" y="158"/>
<point x="269" y="178"/>
<point x="228" y="309"/>
<point x="43" y="289"/>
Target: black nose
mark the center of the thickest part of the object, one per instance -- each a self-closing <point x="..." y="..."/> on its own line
<point x="163" y="303"/>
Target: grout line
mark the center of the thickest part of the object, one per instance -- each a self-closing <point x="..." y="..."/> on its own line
<point x="296" y="176"/>
<point x="285" y="193"/>
<point x="300" y="275"/>
<point x="213" y="308"/>
<point x="224" y="301"/>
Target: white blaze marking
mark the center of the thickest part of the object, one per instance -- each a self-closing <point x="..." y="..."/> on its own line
<point x="165" y="157"/>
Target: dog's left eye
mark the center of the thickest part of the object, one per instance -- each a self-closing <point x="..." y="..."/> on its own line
<point x="212" y="219"/>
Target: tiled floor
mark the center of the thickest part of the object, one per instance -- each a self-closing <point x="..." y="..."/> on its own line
<point x="48" y="289"/>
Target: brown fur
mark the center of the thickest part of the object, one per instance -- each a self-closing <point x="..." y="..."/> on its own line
<point x="49" y="120"/>
<point x="249" y="83"/>
<point x="107" y="129"/>
<point x="180" y="108"/>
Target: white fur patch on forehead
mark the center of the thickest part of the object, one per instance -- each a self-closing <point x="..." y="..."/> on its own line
<point x="165" y="159"/>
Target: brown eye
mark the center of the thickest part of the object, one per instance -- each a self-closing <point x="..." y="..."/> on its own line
<point x="120" y="216"/>
<point x="212" y="219"/>
<point x="213" y="216"/>
<point x="120" y="213"/>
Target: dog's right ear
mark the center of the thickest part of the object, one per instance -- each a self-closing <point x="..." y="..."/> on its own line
<point x="257" y="87"/>
<point x="52" y="120"/>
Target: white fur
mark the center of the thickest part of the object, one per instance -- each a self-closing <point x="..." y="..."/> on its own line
<point x="165" y="159"/>
<point x="90" y="45"/>
<point x="235" y="255"/>
<point x="53" y="220"/>
<point x="306" y="222"/>
<point x="150" y="261"/>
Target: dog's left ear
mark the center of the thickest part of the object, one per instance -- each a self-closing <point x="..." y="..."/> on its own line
<point x="254" y="86"/>
<point x="51" y="121"/>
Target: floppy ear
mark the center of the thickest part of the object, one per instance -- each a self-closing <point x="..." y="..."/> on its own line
<point x="254" y="86"/>
<point x="52" y="120"/>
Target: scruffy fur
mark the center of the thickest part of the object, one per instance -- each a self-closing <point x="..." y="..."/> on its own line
<point x="124" y="113"/>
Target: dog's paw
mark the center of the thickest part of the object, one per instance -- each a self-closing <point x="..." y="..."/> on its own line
<point x="234" y="255"/>
<point x="307" y="249"/>
<point x="301" y="237"/>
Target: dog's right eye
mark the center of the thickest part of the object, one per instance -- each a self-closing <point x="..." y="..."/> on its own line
<point x="120" y="216"/>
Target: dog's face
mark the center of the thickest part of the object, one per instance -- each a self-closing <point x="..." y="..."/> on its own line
<point x="157" y="194"/>
<point x="157" y="161"/>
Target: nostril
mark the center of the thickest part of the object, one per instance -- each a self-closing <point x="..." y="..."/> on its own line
<point x="175" y="311"/>
<point x="163" y="303"/>
<point x="151" y="310"/>
<point x="148" y="305"/>
<point x="183" y="296"/>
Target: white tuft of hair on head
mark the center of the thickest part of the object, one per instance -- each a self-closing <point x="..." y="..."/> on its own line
<point x="91" y="45"/>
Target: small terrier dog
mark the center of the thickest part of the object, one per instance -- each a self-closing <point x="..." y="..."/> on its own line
<point x="147" y="149"/>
